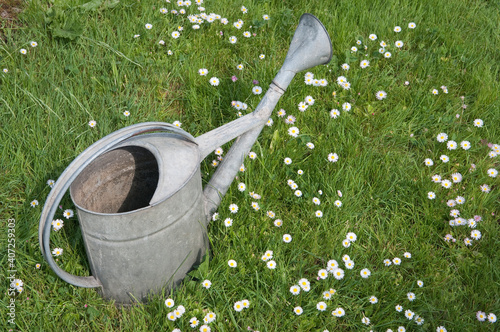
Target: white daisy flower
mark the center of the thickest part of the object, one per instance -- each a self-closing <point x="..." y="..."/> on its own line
<point x="214" y="81"/>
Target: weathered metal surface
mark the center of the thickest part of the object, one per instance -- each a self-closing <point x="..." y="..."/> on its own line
<point x="139" y="198"/>
<point x="140" y="243"/>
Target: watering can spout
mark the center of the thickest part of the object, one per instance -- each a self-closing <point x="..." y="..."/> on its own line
<point x="310" y="46"/>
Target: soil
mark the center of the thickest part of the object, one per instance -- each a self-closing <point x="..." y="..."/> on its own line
<point x="9" y="9"/>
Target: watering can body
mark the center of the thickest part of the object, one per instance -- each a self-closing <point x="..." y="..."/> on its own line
<point x="138" y="191"/>
<point x="141" y="212"/>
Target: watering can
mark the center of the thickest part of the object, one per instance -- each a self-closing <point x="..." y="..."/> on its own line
<point x="138" y="191"/>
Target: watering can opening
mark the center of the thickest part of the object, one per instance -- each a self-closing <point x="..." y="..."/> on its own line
<point x="121" y="180"/>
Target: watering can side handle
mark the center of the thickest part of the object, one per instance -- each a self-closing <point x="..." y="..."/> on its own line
<point x="87" y="282"/>
<point x="69" y="175"/>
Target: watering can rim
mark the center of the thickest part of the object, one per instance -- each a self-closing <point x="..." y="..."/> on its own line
<point x="324" y="29"/>
<point x="159" y="160"/>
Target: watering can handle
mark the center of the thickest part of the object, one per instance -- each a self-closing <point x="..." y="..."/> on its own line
<point x="69" y="175"/>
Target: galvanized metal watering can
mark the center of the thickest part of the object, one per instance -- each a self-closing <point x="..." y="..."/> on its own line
<point x="138" y="191"/>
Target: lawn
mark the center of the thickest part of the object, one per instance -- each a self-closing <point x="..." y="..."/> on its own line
<point x="369" y="201"/>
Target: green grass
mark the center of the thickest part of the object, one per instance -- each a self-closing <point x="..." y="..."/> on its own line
<point x="99" y="70"/>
